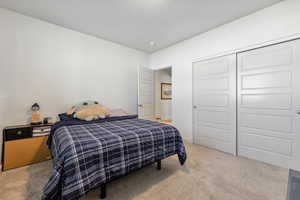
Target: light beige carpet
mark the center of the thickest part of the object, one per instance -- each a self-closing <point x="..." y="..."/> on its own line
<point x="207" y="175"/>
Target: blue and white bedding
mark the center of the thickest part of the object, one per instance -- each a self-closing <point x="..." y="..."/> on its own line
<point x="90" y="154"/>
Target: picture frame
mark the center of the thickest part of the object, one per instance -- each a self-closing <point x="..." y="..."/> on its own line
<point x="166" y="91"/>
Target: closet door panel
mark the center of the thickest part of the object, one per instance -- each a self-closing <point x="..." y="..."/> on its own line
<point x="214" y="103"/>
<point x="268" y="103"/>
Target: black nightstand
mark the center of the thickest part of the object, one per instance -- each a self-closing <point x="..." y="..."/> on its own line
<point x="24" y="145"/>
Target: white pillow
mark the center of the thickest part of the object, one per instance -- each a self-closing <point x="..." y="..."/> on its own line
<point x="117" y="112"/>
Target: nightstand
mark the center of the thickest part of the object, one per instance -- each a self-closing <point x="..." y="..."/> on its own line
<point x="24" y="145"/>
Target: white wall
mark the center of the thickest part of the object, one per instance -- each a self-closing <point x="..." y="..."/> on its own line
<point x="57" y="67"/>
<point x="273" y="23"/>
<point x="163" y="108"/>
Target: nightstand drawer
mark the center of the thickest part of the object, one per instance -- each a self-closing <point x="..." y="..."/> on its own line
<point x="17" y="133"/>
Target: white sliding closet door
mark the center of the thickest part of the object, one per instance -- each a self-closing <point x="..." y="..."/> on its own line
<point x="214" y="103"/>
<point x="269" y="100"/>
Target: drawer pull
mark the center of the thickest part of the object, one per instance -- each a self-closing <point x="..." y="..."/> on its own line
<point x="19" y="132"/>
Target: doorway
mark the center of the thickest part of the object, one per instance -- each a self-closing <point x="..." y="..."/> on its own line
<point x="163" y="95"/>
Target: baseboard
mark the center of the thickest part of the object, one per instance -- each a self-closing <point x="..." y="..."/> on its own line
<point x="188" y="139"/>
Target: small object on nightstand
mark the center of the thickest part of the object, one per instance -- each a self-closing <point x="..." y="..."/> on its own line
<point x="48" y="120"/>
<point x="36" y="117"/>
<point x="41" y="130"/>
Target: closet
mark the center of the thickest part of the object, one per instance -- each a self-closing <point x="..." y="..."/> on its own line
<point x="265" y="109"/>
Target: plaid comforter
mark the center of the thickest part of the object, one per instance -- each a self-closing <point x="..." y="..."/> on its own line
<point x="87" y="155"/>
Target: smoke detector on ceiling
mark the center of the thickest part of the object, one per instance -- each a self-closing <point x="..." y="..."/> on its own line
<point x="152" y="43"/>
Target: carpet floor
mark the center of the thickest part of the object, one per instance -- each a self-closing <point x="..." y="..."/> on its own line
<point x="207" y="175"/>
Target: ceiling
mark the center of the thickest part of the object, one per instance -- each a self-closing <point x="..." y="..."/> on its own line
<point x="135" y="23"/>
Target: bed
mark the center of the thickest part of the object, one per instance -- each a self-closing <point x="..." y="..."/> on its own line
<point x="87" y="155"/>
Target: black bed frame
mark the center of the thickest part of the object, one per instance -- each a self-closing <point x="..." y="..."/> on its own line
<point x="103" y="187"/>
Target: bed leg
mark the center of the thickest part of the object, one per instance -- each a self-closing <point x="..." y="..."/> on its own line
<point x="103" y="191"/>
<point x="159" y="165"/>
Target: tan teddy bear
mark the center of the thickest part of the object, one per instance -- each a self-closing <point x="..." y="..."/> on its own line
<point x="92" y="112"/>
<point x="88" y="110"/>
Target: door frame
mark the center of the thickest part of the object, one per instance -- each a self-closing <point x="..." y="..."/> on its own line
<point x="172" y="82"/>
<point x="249" y="48"/>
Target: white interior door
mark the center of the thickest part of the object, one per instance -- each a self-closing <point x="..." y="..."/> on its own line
<point x="146" y="93"/>
<point x="214" y="103"/>
<point x="268" y="102"/>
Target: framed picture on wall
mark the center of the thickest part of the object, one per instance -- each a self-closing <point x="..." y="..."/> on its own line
<point x="166" y="91"/>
